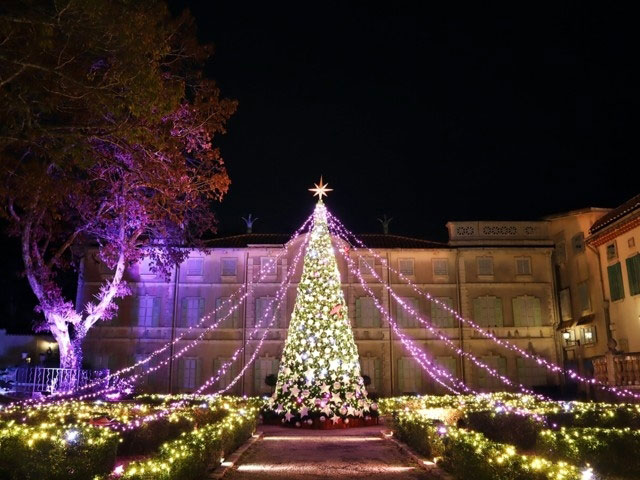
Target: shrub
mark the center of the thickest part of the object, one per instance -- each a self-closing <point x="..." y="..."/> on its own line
<point x="420" y="433"/>
<point x="55" y="452"/>
<point x="519" y="430"/>
<point x="190" y="455"/>
<point x="609" y="451"/>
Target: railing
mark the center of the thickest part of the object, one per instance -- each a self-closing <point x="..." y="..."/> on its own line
<point x="621" y="369"/>
<point x="45" y="380"/>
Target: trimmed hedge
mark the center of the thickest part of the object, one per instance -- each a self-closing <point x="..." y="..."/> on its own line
<point x="50" y="452"/>
<point x="470" y="455"/>
<point x="609" y="451"/>
<point x="519" y="430"/>
<point x="194" y="452"/>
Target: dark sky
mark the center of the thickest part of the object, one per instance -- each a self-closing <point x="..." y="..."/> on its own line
<point x="476" y="112"/>
<point x="427" y="115"/>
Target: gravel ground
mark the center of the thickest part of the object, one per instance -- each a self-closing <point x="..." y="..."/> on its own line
<point x="356" y="453"/>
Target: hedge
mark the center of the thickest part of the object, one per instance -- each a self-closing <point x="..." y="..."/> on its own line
<point x="191" y="455"/>
<point x="609" y="451"/>
<point x="55" y="452"/>
<point x="519" y="430"/>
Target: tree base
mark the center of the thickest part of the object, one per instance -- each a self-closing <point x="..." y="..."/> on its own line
<point x="328" y="424"/>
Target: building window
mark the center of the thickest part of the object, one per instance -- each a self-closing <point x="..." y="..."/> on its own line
<point x="485" y="265"/>
<point x="631" y="242"/>
<point x="486" y="380"/>
<point x="440" y="316"/>
<point x="523" y="266"/>
<point x="268" y="265"/>
<point x="447" y="363"/>
<point x="565" y="304"/>
<point x="616" y="287"/>
<point x="406" y="319"/>
<point x="405" y="265"/>
<point x="229" y="267"/>
<point x="229" y="374"/>
<point x="561" y="252"/>
<point x="189" y="369"/>
<point x="366" y="265"/>
<point x="578" y="242"/>
<point x="526" y="311"/>
<point x="612" y="251"/>
<point x="367" y="314"/>
<point x="409" y="376"/>
<point x="589" y="335"/>
<point x="263" y="367"/>
<point x="265" y="311"/>
<point x="372" y="368"/>
<point x="195" y="266"/>
<point x="633" y="272"/>
<point x="530" y="373"/>
<point x="192" y="311"/>
<point x="230" y="318"/>
<point x="585" y="297"/>
<point x="148" y="311"/>
<point x="487" y="311"/>
<point x="440" y="267"/>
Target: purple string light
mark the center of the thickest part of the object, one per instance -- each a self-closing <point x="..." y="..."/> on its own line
<point x="487" y="334"/>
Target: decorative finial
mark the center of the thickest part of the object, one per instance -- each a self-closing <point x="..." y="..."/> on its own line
<point x="385" y="223"/>
<point x="249" y="221"/>
<point x="320" y="189"/>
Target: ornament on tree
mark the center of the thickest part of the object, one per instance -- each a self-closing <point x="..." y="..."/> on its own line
<point x="335" y="310"/>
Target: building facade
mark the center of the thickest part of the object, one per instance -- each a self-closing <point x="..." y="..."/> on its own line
<point x="500" y="274"/>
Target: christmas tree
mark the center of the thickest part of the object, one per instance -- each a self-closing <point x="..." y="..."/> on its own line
<point x="319" y="375"/>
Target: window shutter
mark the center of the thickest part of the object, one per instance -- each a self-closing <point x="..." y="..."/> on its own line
<point x="377" y="374"/>
<point x="477" y="312"/>
<point x="155" y="318"/>
<point x="235" y="316"/>
<point x="135" y="311"/>
<point x="180" y="373"/>
<point x="258" y="379"/>
<point x="400" y="375"/>
<point x="517" y="311"/>
<point x="198" y="373"/>
<point x="358" y="312"/>
<point x="376" y="318"/>
<point x="498" y="312"/>
<point x="537" y="314"/>
<point x="615" y="281"/>
<point x="184" y="305"/>
<point x="633" y="272"/>
<point x="200" y="309"/>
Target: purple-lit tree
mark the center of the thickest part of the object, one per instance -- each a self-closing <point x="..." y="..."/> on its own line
<point x="106" y="130"/>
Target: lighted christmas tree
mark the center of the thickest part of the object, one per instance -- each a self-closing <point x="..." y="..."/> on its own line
<point x="319" y="375"/>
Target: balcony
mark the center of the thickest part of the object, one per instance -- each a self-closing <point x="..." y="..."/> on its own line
<point x="622" y="369"/>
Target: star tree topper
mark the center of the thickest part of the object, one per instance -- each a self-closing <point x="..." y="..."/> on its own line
<point x="321" y="189"/>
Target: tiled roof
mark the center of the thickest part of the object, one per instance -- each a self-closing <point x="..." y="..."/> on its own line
<point x="615" y="214"/>
<point x="372" y="240"/>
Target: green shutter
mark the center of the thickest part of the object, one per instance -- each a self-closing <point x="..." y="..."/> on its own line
<point x="502" y="366"/>
<point x="537" y="314"/>
<point x="180" y="375"/>
<point x="633" y="272"/>
<point x="184" y="304"/>
<point x="477" y="312"/>
<point x="615" y="281"/>
<point x="200" y="309"/>
<point x="400" y="375"/>
<point x="235" y="317"/>
<point x="198" y="373"/>
<point x="498" y="312"/>
<point x="377" y="375"/>
<point x="135" y="311"/>
<point x="155" y="319"/>
<point x="517" y="311"/>
<point x="376" y="320"/>
<point x="257" y="379"/>
<point x="358" y="312"/>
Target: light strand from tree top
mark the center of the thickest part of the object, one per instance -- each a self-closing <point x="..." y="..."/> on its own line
<point x="60" y="396"/>
<point x="487" y="334"/>
<point x="415" y="314"/>
<point x="278" y="300"/>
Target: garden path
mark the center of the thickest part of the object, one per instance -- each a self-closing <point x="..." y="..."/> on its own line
<point x="357" y="453"/>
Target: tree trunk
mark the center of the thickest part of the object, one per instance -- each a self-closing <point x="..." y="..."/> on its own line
<point x="70" y="348"/>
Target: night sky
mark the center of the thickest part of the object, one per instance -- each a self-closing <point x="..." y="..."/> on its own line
<point x="505" y="112"/>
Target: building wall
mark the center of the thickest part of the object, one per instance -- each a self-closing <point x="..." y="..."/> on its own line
<point x="581" y="301"/>
<point x="625" y="312"/>
<point x="117" y="343"/>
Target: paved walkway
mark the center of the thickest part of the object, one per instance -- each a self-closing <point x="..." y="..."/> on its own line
<point x="294" y="454"/>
